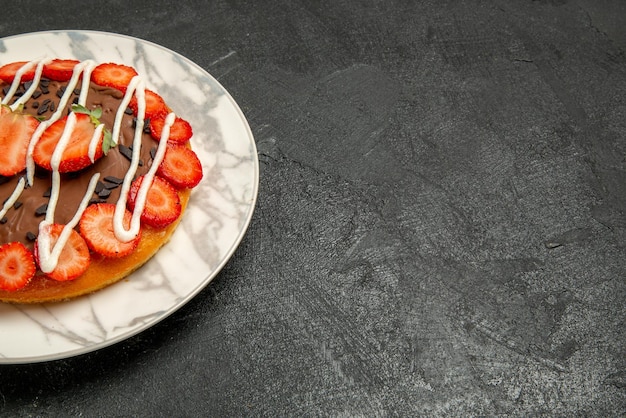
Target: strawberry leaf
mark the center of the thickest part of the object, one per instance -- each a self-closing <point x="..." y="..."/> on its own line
<point x="76" y="108"/>
<point x="94" y="116"/>
<point x="107" y="142"/>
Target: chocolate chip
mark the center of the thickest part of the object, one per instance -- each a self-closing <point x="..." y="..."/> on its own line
<point x="4" y="220"/>
<point x="128" y="111"/>
<point x="35" y="104"/>
<point x="30" y="236"/>
<point x="153" y="152"/>
<point x="17" y="204"/>
<point x="48" y="192"/>
<point x="36" y="94"/>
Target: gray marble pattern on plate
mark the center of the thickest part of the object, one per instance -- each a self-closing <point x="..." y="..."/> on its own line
<point x="213" y="225"/>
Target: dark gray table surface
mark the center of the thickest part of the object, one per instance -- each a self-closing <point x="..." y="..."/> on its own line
<point x="441" y="222"/>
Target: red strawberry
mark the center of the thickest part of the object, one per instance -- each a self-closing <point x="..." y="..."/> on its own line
<point x="181" y="167"/>
<point x="16" y="129"/>
<point x="17" y="266"/>
<point x="74" y="259"/>
<point x="7" y="72"/>
<point x="76" y="155"/>
<point x="180" y="131"/>
<point x="113" y="75"/>
<point x="155" y="105"/>
<point x="96" y="227"/>
<point x="59" y="70"/>
<point x="162" y="204"/>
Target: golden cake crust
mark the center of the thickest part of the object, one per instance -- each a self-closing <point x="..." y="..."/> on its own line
<point x="102" y="271"/>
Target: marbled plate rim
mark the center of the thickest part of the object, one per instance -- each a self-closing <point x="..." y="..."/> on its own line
<point x="235" y="240"/>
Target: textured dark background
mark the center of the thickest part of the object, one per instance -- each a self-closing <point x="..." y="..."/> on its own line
<point x="441" y="224"/>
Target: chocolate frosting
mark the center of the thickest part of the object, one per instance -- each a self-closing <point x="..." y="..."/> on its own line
<point x="21" y="222"/>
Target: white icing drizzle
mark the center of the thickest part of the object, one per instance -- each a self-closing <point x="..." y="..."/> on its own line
<point x="136" y="86"/>
<point x="18" y="79"/>
<point x="32" y="87"/>
<point x="140" y="201"/>
<point x="48" y="257"/>
<point x="95" y="141"/>
<point x="85" y="67"/>
<point x="13" y="198"/>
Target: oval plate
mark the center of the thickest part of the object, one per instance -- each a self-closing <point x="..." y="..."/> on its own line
<point x="216" y="219"/>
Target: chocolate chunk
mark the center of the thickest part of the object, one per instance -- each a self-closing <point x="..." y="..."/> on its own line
<point x="41" y="210"/>
<point x="17" y="204"/>
<point x="153" y="151"/>
<point x="48" y="192"/>
<point x="128" y="111"/>
<point x="43" y="108"/>
<point x="30" y="236"/>
<point x="99" y="187"/>
<point x="4" y="220"/>
<point x="36" y="94"/>
<point x="114" y="180"/>
<point x="125" y="151"/>
<point x="104" y="193"/>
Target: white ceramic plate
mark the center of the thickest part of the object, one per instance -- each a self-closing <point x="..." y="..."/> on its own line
<point x="217" y="217"/>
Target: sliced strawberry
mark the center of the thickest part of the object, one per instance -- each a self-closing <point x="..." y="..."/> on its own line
<point x="76" y="155"/>
<point x="181" y="167"/>
<point x="59" y="70"/>
<point x="74" y="259"/>
<point x="162" y="204"/>
<point x="96" y="227"/>
<point x="17" y="266"/>
<point x="16" y="129"/>
<point x="113" y="75"/>
<point x="180" y="131"/>
<point x="155" y="105"/>
<point x="8" y="71"/>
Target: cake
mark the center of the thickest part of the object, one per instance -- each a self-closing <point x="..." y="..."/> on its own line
<point x="96" y="171"/>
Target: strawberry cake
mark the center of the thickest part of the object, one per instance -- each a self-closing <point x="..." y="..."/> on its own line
<point x="95" y="173"/>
